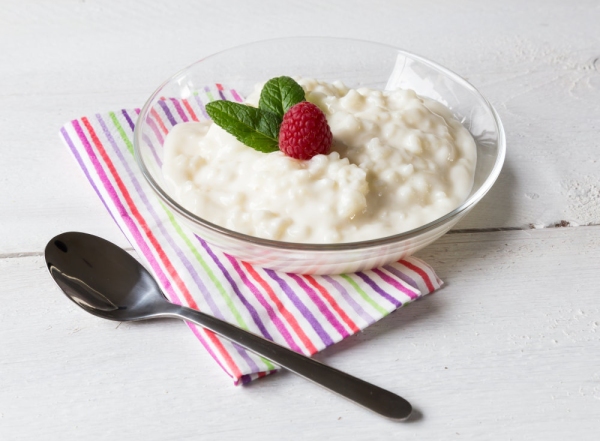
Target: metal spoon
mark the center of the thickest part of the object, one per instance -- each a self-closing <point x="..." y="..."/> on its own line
<point x="106" y="281"/>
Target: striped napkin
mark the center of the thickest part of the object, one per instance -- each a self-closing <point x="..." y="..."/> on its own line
<point x="305" y="313"/>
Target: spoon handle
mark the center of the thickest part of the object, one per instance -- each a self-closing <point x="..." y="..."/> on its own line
<point x="365" y="394"/>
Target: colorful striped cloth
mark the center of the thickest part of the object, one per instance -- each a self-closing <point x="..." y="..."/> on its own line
<point x="305" y="313"/>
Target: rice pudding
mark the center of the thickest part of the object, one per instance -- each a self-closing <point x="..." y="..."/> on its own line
<point x="398" y="161"/>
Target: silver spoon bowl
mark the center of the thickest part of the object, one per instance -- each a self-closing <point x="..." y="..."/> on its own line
<point x="106" y="281"/>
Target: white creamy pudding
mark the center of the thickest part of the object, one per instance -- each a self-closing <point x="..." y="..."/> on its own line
<point x="398" y="161"/>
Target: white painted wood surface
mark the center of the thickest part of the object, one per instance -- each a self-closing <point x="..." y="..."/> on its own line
<point x="509" y="349"/>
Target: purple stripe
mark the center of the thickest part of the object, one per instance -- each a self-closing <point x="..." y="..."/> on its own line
<point x="201" y="104"/>
<point x="236" y="96"/>
<point x="272" y="314"/>
<point x="152" y="149"/>
<point x="179" y="109"/>
<point x="160" y="226"/>
<point x="402" y="276"/>
<point x="108" y="186"/>
<point x="350" y="300"/>
<point x="154" y="128"/>
<point x="158" y="223"/>
<point x="67" y="139"/>
<point x="167" y="111"/>
<point x="145" y="138"/>
<point x="245" y="379"/>
<point x="197" y="331"/>
<point x="222" y="95"/>
<point x="128" y="119"/>
<point x="320" y="305"/>
<point x="325" y="338"/>
<point x="130" y="174"/>
<point x="143" y="247"/>
<point x="255" y="317"/>
<point x="396" y="284"/>
<point x="397" y="303"/>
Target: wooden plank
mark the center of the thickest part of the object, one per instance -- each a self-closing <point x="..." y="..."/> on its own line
<point x="537" y="63"/>
<point x="508" y="349"/>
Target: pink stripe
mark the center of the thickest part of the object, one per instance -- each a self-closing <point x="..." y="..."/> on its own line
<point x="399" y="286"/>
<point x="236" y="289"/>
<point x="215" y="357"/>
<point x="335" y="305"/>
<point x="401" y="275"/>
<point x="153" y="241"/>
<point x="179" y="109"/>
<point x="320" y="305"/>
<point x="145" y="250"/>
<point x="299" y="305"/>
<point x="156" y="117"/>
<point x="350" y="300"/>
<point x="123" y="213"/>
<point x="236" y="96"/>
<point x="287" y="315"/>
<point x="136" y="213"/>
<point x="161" y="227"/>
<point x="285" y="333"/>
<point x="154" y="128"/>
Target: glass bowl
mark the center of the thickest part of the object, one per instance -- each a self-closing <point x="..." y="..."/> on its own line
<point x="357" y="64"/>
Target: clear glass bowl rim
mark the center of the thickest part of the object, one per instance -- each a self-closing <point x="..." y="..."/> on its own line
<point x="345" y="246"/>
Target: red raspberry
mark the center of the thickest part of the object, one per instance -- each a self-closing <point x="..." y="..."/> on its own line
<point x="304" y="132"/>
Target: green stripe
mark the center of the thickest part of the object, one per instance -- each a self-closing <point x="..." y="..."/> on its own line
<point x="209" y="272"/>
<point x="124" y="137"/>
<point x="211" y="275"/>
<point x="364" y="295"/>
<point x="210" y="96"/>
<point x="238" y="317"/>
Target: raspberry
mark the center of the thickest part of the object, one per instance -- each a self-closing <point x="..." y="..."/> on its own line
<point x="304" y="132"/>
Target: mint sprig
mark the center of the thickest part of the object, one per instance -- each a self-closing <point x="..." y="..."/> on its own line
<point x="279" y="94"/>
<point x="258" y="127"/>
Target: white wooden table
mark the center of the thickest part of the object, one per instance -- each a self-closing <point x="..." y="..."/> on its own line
<point x="509" y="349"/>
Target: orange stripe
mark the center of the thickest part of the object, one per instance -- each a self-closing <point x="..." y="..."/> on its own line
<point x="161" y="254"/>
<point x="159" y="121"/>
<point x="287" y="315"/>
<point x="187" y="106"/>
<point x="333" y="303"/>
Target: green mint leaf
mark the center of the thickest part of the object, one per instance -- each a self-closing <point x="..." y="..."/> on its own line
<point x="254" y="127"/>
<point x="279" y="94"/>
